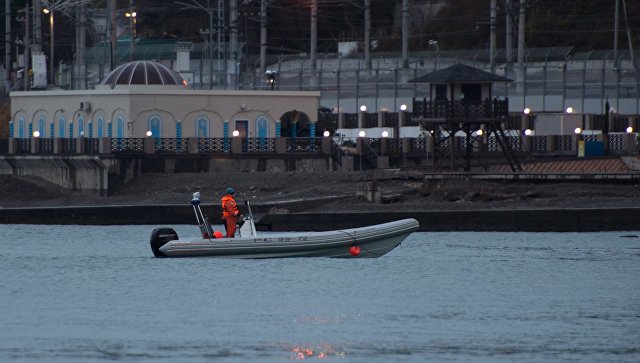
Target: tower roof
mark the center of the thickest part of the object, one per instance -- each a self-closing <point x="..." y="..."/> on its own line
<point x="459" y="73"/>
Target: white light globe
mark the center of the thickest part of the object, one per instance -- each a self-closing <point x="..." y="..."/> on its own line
<point x="236" y="133"/>
<point x="361" y="133"/>
<point x="569" y="109"/>
<point x="479" y="132"/>
<point x="527" y="111"/>
<point x="385" y="133"/>
<point x="527" y="132"/>
<point x="403" y="107"/>
<point x="326" y="133"/>
<point x="36" y="133"/>
<point x="363" y="108"/>
<point x="577" y="130"/>
<point x="149" y="133"/>
<point x="629" y="130"/>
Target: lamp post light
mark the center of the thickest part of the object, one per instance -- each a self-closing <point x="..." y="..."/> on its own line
<point x="569" y="110"/>
<point x="383" y="142"/>
<point x="363" y="108"/>
<point x="361" y="134"/>
<point x="132" y="15"/>
<point x="433" y="43"/>
<point x="149" y="133"/>
<point x="52" y="41"/>
<point x="272" y="77"/>
<point x="326" y="133"/>
<point x="236" y="133"/>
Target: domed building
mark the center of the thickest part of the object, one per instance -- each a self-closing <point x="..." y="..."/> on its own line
<point x="142" y="96"/>
<point x="143" y="73"/>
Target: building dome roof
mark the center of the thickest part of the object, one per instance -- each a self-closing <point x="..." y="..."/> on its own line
<point x="144" y="73"/>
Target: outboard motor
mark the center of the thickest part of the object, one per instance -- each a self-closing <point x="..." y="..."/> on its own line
<point x="159" y="237"/>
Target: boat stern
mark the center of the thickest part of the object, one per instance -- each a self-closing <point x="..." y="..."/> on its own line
<point x="159" y="238"/>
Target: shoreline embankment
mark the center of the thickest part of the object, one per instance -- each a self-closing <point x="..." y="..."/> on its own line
<point x="516" y="220"/>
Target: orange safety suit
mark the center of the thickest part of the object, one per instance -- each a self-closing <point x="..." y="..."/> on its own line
<point x="230" y="214"/>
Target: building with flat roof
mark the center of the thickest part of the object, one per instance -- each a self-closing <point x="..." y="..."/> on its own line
<point x="144" y="96"/>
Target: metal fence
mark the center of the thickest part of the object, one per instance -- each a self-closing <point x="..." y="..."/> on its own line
<point x="46" y="146"/>
<point x="128" y="145"/>
<point x="214" y="145"/>
<point x="24" y="146"/>
<point x="171" y="145"/>
<point x="69" y="145"/>
<point x="543" y="86"/>
<point x="304" y="144"/>
<point x="91" y="146"/>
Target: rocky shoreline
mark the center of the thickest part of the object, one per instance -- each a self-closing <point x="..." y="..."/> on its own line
<point x="396" y="191"/>
<point x="290" y="194"/>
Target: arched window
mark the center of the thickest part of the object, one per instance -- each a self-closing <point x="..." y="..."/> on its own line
<point x="120" y="123"/>
<point x="21" y="131"/>
<point x="81" y="126"/>
<point x="202" y="127"/>
<point x="42" y="126"/>
<point x="262" y="127"/>
<point x="100" y="126"/>
<point x="155" y="126"/>
<point x="62" y="126"/>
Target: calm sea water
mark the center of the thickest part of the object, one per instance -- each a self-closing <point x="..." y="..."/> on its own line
<point x="95" y="293"/>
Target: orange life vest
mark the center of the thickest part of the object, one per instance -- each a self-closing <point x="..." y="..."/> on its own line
<point x="229" y="207"/>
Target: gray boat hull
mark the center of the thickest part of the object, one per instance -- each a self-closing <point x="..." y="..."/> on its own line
<point x="365" y="242"/>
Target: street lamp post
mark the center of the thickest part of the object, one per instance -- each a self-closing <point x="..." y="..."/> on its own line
<point x="52" y="41"/>
<point x="361" y="136"/>
<point x="132" y="15"/>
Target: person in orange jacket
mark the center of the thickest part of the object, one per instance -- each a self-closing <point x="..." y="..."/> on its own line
<point x="230" y="212"/>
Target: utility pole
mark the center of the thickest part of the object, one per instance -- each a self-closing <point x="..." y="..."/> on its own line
<point x="616" y="26"/>
<point x="263" y="36"/>
<point x="233" y="37"/>
<point x="210" y="37"/>
<point x="132" y="14"/>
<point x="80" y="75"/>
<point x="405" y="33"/>
<point x="492" y="37"/>
<point x="7" y="45"/>
<point x="27" y="47"/>
<point x="37" y="25"/>
<point x="314" y="36"/>
<point x="626" y="20"/>
<point x="521" y="35"/>
<point x="221" y="50"/>
<point x="509" y="32"/>
<point x="367" y="34"/>
<point x="195" y="5"/>
<point x="112" y="33"/>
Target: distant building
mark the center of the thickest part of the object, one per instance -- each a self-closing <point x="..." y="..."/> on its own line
<point x="143" y="96"/>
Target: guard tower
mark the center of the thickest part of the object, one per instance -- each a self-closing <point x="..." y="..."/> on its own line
<point x="461" y="103"/>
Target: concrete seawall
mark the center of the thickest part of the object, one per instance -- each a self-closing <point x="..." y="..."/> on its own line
<point x="534" y="220"/>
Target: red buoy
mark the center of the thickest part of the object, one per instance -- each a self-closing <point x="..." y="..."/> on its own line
<point x="354" y="250"/>
<point x="217" y="234"/>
